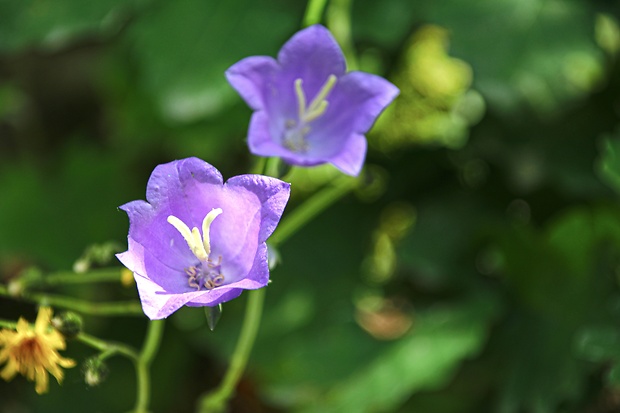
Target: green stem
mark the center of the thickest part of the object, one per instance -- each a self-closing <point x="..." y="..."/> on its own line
<point x="314" y="12"/>
<point x="217" y="400"/>
<point x="81" y="306"/>
<point x="107" y="347"/>
<point x="339" y="22"/>
<point x="272" y="166"/>
<point x="151" y="344"/>
<point x="259" y="165"/>
<point x="312" y="207"/>
<point x="98" y="275"/>
<point x="8" y="324"/>
<point x="142" y="360"/>
<point x="91" y="341"/>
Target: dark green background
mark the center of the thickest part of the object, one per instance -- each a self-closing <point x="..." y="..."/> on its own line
<point x="509" y="274"/>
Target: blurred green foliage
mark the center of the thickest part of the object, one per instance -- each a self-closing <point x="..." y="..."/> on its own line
<point x="477" y="272"/>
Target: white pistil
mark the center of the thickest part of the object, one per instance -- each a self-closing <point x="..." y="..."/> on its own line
<point x="200" y="246"/>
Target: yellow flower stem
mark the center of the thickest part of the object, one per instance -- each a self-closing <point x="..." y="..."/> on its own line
<point x="154" y="333"/>
<point x="316" y="204"/>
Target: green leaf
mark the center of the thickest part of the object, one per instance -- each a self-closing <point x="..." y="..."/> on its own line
<point x="613" y="376"/>
<point x="599" y="344"/>
<point x="185" y="46"/>
<point x="53" y="24"/>
<point x="425" y="359"/>
<point x="608" y="165"/>
<point x="539" y="52"/>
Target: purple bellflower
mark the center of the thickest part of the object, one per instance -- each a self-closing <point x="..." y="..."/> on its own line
<point x="199" y="241"/>
<point x="308" y="110"/>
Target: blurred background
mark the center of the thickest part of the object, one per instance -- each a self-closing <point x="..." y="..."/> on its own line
<point x="478" y="269"/>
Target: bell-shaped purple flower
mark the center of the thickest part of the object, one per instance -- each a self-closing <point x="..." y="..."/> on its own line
<point x="198" y="241"/>
<point x="308" y="110"/>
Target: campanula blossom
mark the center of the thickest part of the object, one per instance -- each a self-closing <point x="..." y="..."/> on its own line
<point x="198" y="241"/>
<point x="308" y="109"/>
<point x="32" y="351"/>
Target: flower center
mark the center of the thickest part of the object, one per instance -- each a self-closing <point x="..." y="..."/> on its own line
<point x="206" y="273"/>
<point x="296" y="130"/>
<point x="28" y="351"/>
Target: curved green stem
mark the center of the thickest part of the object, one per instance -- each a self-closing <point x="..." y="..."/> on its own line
<point x="8" y="324"/>
<point x="339" y="22"/>
<point x="271" y="167"/>
<point x="312" y="207"/>
<point x="110" y="348"/>
<point x="82" y="306"/>
<point x="151" y="344"/>
<point x="259" y="165"/>
<point x="216" y="401"/>
<point x="69" y="277"/>
<point x="142" y="361"/>
<point x="314" y="12"/>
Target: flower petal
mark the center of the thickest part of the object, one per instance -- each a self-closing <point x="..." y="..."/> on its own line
<point x="166" y="184"/>
<point x="252" y="78"/>
<point x="215" y="297"/>
<point x="149" y="228"/>
<point x="158" y="303"/>
<point x="258" y="277"/>
<point x="264" y="135"/>
<point x="312" y="54"/>
<point x="273" y="195"/>
<point x="189" y="189"/>
<point x="371" y="94"/>
<point x="351" y="159"/>
<point x="354" y="105"/>
<point x="148" y="265"/>
<point x="43" y="320"/>
<point x="173" y="189"/>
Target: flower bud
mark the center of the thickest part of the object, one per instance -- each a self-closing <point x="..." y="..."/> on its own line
<point x="29" y="276"/>
<point x="69" y="324"/>
<point x="273" y="256"/>
<point x="95" y="371"/>
<point x="127" y="279"/>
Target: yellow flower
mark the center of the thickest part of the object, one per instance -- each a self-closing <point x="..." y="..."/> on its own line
<point x="32" y="352"/>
